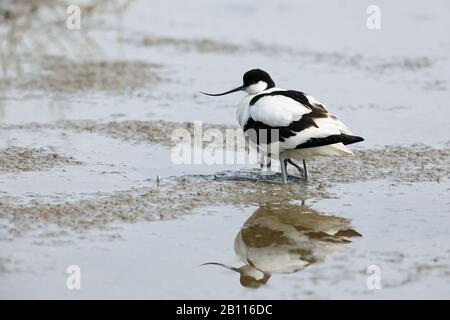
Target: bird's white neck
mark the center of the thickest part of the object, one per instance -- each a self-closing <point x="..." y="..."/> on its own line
<point x="256" y="88"/>
<point x="264" y="91"/>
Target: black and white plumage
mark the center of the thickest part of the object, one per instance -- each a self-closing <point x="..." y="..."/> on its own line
<point x="300" y="126"/>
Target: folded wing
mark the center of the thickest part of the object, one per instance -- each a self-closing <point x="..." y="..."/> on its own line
<point x="300" y="121"/>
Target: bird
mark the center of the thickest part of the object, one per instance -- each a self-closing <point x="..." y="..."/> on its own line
<point x="288" y="123"/>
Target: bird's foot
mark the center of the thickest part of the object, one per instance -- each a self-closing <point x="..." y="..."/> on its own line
<point x="278" y="176"/>
<point x="275" y="178"/>
<point x="236" y="178"/>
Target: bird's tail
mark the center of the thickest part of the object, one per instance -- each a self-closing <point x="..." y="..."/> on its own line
<point x="339" y="149"/>
<point x="335" y="149"/>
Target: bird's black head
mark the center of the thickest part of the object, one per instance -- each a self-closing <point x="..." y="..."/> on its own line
<point x="257" y="77"/>
<point x="255" y="81"/>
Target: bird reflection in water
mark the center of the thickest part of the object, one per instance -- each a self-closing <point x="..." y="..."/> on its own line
<point x="285" y="238"/>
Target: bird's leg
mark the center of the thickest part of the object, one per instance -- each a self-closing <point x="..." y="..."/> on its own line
<point x="265" y="160"/>
<point x="236" y="178"/>
<point x="285" y="162"/>
<point x="269" y="164"/>
<point x="268" y="176"/>
<point x="300" y="169"/>
<point x="261" y="163"/>
<point x="283" y="168"/>
<point x="261" y="169"/>
<point x="305" y="171"/>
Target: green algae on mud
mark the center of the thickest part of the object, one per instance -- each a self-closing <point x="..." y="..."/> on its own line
<point x="57" y="74"/>
<point x="149" y="131"/>
<point x="200" y="45"/>
<point x="169" y="197"/>
<point x="166" y="198"/>
<point x="175" y="196"/>
<point x="345" y="59"/>
<point x="417" y="162"/>
<point x="19" y="159"/>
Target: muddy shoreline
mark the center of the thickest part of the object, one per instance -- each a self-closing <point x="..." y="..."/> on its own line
<point x="18" y="159"/>
<point x="175" y="196"/>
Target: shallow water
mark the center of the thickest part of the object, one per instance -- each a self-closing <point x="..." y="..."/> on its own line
<point x="162" y="259"/>
<point x="140" y="226"/>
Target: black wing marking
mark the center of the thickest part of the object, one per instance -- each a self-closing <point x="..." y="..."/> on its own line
<point x="263" y="131"/>
<point x="295" y="95"/>
<point x="336" y="138"/>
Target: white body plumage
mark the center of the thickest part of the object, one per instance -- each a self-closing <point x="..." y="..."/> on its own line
<point x="281" y="111"/>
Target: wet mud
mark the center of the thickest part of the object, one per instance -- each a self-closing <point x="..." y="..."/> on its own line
<point x="18" y="159"/>
<point x="61" y="75"/>
<point x="170" y="197"/>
